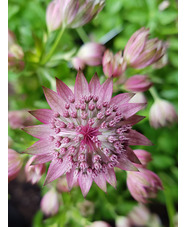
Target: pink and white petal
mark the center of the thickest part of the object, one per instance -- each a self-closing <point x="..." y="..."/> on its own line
<point x="41" y="147"/>
<point x="54" y="100"/>
<point x="129" y="109"/>
<point x="111" y="177"/>
<point x="40" y="159"/>
<point x="105" y="91"/>
<point x="136" y="138"/>
<point x="129" y="153"/>
<point x="81" y="86"/>
<point x="55" y="170"/>
<point x="121" y="99"/>
<point x="94" y="85"/>
<point x="125" y="164"/>
<point x="71" y="177"/>
<point x="63" y="90"/>
<point x="85" y="182"/>
<point x="43" y="115"/>
<point x="133" y="119"/>
<point x="39" y="131"/>
<point x="100" y="181"/>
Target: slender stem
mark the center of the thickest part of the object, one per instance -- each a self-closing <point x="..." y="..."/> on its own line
<point x="49" y="55"/>
<point x="170" y="207"/>
<point x="82" y="34"/>
<point x="154" y="93"/>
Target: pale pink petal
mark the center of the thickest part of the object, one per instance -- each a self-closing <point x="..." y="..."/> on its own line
<point x="94" y="85"/>
<point x="41" y="147"/>
<point x="121" y="98"/>
<point x="81" y="86"/>
<point x="43" y="115"/>
<point x="85" y="182"/>
<point x="129" y="109"/>
<point x="105" y="91"/>
<point x="63" y="90"/>
<point x="133" y="120"/>
<point x="39" y="131"/>
<point x="136" y="138"/>
<point x="40" y="159"/>
<point x="125" y="164"/>
<point x="71" y="178"/>
<point x="54" y="100"/>
<point x="132" y="156"/>
<point x="111" y="177"/>
<point x="101" y="182"/>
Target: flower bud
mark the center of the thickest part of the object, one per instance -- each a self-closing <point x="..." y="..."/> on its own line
<point x="99" y="224"/>
<point x="86" y="208"/>
<point x="141" y="52"/>
<point x="123" y="222"/>
<point x="15" y="53"/>
<point x="138" y="83"/>
<point x="91" y="53"/>
<point x="53" y="15"/>
<point x="143" y="185"/>
<point x="113" y="65"/>
<point x="162" y="113"/>
<point x="34" y="172"/>
<point x="14" y="164"/>
<point x="143" y="156"/>
<point x="78" y="63"/>
<point x="72" y="13"/>
<point x="19" y="119"/>
<point x="50" y="203"/>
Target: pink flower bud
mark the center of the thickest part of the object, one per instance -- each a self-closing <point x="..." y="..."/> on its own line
<point x="143" y="156"/>
<point x="50" y="203"/>
<point x="78" y="63"/>
<point x="72" y="13"/>
<point x="15" y="53"/>
<point x="123" y="222"/>
<point x="113" y="65"/>
<point x="34" y="172"/>
<point x="138" y="83"/>
<point x="19" y="119"/>
<point x="139" y="97"/>
<point x="162" y="113"/>
<point x="91" y="53"/>
<point x="141" y="52"/>
<point x="53" y="15"/>
<point x="143" y="185"/>
<point x="14" y="164"/>
<point x="99" y="224"/>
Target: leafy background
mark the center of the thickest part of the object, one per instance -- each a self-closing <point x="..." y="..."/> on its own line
<point x="26" y="18"/>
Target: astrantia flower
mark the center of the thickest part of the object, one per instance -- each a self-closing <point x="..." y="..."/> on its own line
<point x="86" y="133"/>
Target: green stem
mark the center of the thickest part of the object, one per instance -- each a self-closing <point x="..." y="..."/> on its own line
<point x="49" y="55"/>
<point x="170" y="207"/>
<point x="82" y="34"/>
<point x="154" y="93"/>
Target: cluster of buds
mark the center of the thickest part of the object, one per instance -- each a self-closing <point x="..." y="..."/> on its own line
<point x="143" y="184"/>
<point x="89" y="54"/>
<point x="14" y="164"/>
<point x="162" y="113"/>
<point x="71" y="13"/>
<point x="15" y="53"/>
<point x="34" y="172"/>
<point x="113" y="65"/>
<point x="141" y="52"/>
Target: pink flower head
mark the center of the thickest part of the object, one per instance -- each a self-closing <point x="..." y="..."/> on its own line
<point x="113" y="65"/>
<point x="50" y="203"/>
<point x="19" y="119"/>
<point x="53" y="15"/>
<point x="34" y="172"/>
<point x="143" y="156"/>
<point x="91" y="53"/>
<point x="143" y="185"/>
<point x="86" y="133"/>
<point x="15" y="53"/>
<point x="14" y="164"/>
<point x="72" y="13"/>
<point x="141" y="52"/>
<point x="162" y="113"/>
<point x="138" y="83"/>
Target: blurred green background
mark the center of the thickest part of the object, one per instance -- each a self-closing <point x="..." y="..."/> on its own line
<point x="121" y="19"/>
